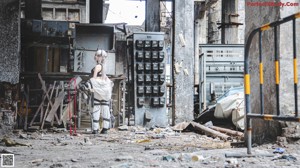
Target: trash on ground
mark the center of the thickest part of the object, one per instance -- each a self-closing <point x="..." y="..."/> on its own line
<point x="279" y="150"/>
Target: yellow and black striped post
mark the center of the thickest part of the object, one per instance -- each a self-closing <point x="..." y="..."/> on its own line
<point x="277" y="70"/>
<point x="295" y="64"/>
<point x="261" y="75"/>
<point x="262" y="115"/>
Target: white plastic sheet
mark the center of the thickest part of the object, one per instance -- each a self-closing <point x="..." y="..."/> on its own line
<point x="231" y="105"/>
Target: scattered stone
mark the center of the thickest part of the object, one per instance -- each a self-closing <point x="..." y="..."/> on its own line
<point x="47" y="137"/>
<point x="59" y="130"/>
<point x="149" y="148"/>
<point x="56" y="165"/>
<point x="87" y="141"/>
<point x="74" y="160"/>
<point x="232" y="161"/>
<point x="34" y="135"/>
<point x="36" y="161"/>
<point x="59" y="140"/>
<point x="123" y="128"/>
<point x="157" y="130"/>
<point x="287" y="157"/>
<point x="17" y="131"/>
<point x="23" y="136"/>
<point x="158" y="136"/>
<point x="6" y="151"/>
<point x="8" y="142"/>
<point x="142" y="140"/>
<point x="123" y="165"/>
<point x="185" y="157"/>
<point x="282" y="141"/>
<point x="124" y="158"/>
<point x="217" y="145"/>
<point x="168" y="158"/>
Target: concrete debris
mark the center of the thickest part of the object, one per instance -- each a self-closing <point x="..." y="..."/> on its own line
<point x="181" y="126"/>
<point x="9" y="143"/>
<point x="56" y="165"/>
<point x="23" y="136"/>
<point x="34" y="135"/>
<point x="281" y="141"/>
<point x="74" y="160"/>
<point x="142" y="140"/>
<point x="47" y="137"/>
<point x="87" y="141"/>
<point x="286" y="157"/>
<point x="6" y="122"/>
<point x="123" y="128"/>
<point x="168" y="158"/>
<point x="232" y="161"/>
<point x="124" y="158"/>
<point x="123" y="165"/>
<point x="6" y="151"/>
<point x="36" y="161"/>
<point x="59" y="130"/>
<point x="149" y="148"/>
<point x="159" y="147"/>
<point x="216" y="145"/>
<point x="158" y="136"/>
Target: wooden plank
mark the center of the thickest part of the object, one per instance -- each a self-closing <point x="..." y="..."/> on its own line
<point x="227" y="131"/>
<point x="55" y="106"/>
<point x="55" y="114"/>
<point x="27" y="103"/>
<point x="42" y="103"/>
<point x="65" y="114"/>
<point x="209" y="131"/>
<point x="44" y="88"/>
<point x="46" y="112"/>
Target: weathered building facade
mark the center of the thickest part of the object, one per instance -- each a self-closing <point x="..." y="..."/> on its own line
<point x="10" y="41"/>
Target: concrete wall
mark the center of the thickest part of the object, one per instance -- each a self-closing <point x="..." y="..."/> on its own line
<point x="286" y="59"/>
<point x="214" y="17"/>
<point x="241" y="19"/>
<point x="255" y="17"/>
<point x="183" y="83"/>
<point x="9" y="41"/>
<point x="233" y="34"/>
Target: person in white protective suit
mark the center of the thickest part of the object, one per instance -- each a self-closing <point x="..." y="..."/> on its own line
<point x="102" y="87"/>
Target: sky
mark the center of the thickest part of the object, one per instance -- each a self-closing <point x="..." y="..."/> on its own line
<point x="130" y="12"/>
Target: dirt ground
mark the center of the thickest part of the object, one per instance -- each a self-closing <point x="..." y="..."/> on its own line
<point x="140" y="148"/>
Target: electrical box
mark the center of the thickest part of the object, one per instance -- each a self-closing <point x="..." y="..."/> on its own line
<point x="88" y="39"/>
<point x="148" y="59"/>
